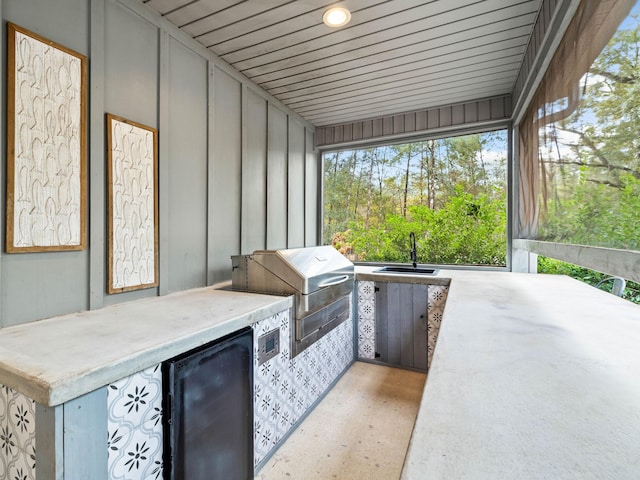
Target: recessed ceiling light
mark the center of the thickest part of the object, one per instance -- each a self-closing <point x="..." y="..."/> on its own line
<point x="336" y="17"/>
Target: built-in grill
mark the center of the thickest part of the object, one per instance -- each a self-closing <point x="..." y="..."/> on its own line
<point x="320" y="278"/>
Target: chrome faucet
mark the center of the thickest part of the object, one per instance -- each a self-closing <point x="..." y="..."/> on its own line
<point x="413" y="252"/>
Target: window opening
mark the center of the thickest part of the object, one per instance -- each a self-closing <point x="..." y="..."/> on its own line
<point x="450" y="192"/>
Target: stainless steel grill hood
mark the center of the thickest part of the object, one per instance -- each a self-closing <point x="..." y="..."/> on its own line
<point x="316" y="274"/>
<point x="305" y="269"/>
<point x="320" y="278"/>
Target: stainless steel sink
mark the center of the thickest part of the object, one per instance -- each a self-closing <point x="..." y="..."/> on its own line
<point x="407" y="270"/>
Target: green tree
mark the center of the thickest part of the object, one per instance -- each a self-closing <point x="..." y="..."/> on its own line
<point x="451" y="192"/>
<point x="592" y="157"/>
<point x="467" y="230"/>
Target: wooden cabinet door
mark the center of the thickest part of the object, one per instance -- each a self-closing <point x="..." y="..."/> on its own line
<point x="401" y="324"/>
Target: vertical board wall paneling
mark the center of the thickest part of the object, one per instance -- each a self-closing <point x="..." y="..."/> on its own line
<point x="97" y="168"/>
<point x="131" y="66"/>
<point x="211" y="89"/>
<point x="187" y="140"/>
<point x="137" y="70"/>
<point x="131" y="90"/>
<point x="41" y="285"/>
<point x="394" y="127"/>
<point x="311" y="199"/>
<point x="226" y="175"/>
<point x="254" y="173"/>
<point x="277" y="179"/>
<point x="45" y="18"/>
<point x="163" y="165"/>
<point x="296" y="183"/>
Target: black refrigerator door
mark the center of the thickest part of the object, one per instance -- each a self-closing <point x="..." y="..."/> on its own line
<point x="208" y="411"/>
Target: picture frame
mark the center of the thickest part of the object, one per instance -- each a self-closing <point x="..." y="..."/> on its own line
<point x="46" y="194"/>
<point x="132" y="205"/>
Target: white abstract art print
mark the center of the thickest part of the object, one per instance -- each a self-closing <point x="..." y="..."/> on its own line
<point x="133" y="212"/>
<point x="46" y="145"/>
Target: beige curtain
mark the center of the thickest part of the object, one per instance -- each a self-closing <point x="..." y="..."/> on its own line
<point x="558" y="95"/>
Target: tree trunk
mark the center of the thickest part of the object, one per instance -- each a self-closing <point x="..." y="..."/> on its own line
<point x="352" y="174"/>
<point x="369" y="191"/>
<point x="431" y="174"/>
<point x="422" y="172"/>
<point x="406" y="186"/>
<point x="334" y="175"/>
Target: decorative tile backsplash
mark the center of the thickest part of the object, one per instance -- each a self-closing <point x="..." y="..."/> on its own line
<point x="17" y="435"/>
<point x="134" y="427"/>
<point x="366" y="320"/>
<point x="284" y="388"/>
<point x="437" y="299"/>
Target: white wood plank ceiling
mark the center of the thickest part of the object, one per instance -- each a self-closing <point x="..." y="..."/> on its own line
<point x="394" y="56"/>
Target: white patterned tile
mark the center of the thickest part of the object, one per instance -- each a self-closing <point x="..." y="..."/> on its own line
<point x="22" y="467"/>
<point x="153" y="417"/>
<point x="9" y="452"/>
<point x="286" y="388"/>
<point x="17" y="435"/>
<point x="4" y="431"/>
<point x="366" y="289"/>
<point x="31" y="452"/>
<point x="22" y="419"/>
<point x="136" y="399"/>
<point x="153" y="468"/>
<point x="257" y="428"/>
<point x="8" y="443"/>
<point x="154" y="412"/>
<point x="264" y="371"/>
<point x="117" y="437"/>
<point x="4" y="405"/>
<point x="366" y="320"/>
<point x="264" y="441"/>
<point x="437" y="299"/>
<point x="136" y="455"/>
<point x="134" y="426"/>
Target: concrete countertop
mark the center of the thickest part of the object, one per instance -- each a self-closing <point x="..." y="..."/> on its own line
<point x="61" y="358"/>
<point x="533" y="376"/>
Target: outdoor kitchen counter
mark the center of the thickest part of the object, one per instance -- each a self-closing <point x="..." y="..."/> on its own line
<point x="534" y="376"/>
<point x="61" y="358"/>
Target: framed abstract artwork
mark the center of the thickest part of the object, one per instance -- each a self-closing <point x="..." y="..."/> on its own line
<point x="46" y="145"/>
<point x="132" y="205"/>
